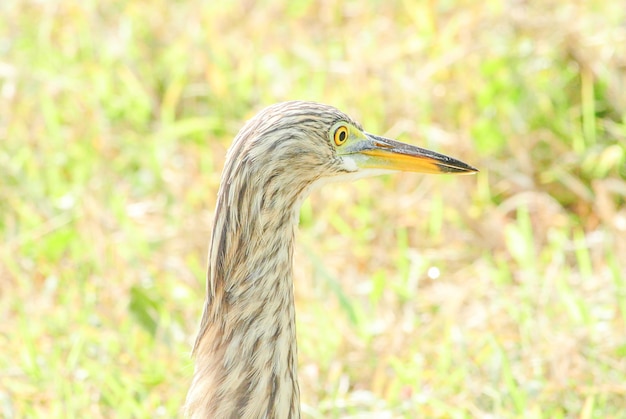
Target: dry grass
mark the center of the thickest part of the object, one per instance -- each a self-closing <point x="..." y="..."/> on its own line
<point x="501" y="295"/>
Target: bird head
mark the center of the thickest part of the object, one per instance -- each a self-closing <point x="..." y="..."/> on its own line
<point x="291" y="147"/>
<point x="308" y="140"/>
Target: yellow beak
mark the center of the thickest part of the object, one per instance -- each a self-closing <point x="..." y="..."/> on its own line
<point x="383" y="153"/>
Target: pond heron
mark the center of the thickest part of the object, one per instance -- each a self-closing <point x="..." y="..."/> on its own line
<point x="245" y="352"/>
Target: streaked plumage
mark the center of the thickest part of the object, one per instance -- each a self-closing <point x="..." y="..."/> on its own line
<point x="246" y="354"/>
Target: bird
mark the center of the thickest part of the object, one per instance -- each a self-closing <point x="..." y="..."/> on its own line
<point x="245" y="351"/>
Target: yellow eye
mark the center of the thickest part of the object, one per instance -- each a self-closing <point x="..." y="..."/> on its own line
<point x="341" y="135"/>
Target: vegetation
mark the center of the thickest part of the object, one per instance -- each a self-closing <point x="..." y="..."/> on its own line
<point x="498" y="295"/>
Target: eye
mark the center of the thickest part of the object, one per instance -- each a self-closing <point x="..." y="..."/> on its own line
<point x="341" y="135"/>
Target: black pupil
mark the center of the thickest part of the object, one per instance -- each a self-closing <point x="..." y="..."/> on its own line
<point x="342" y="136"/>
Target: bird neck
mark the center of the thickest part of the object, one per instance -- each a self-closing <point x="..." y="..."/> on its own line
<point x="246" y="352"/>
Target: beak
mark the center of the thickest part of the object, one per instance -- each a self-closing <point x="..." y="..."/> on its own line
<point x="383" y="153"/>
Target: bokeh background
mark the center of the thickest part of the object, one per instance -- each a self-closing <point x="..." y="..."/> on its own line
<point x="499" y="295"/>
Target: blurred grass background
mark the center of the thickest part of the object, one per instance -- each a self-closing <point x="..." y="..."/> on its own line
<point x="500" y="295"/>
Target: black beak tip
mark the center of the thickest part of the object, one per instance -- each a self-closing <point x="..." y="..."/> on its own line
<point x="457" y="166"/>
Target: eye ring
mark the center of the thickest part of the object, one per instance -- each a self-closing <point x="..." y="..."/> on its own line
<point x="341" y="135"/>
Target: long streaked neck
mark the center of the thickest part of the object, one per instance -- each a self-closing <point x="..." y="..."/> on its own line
<point x="246" y="353"/>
